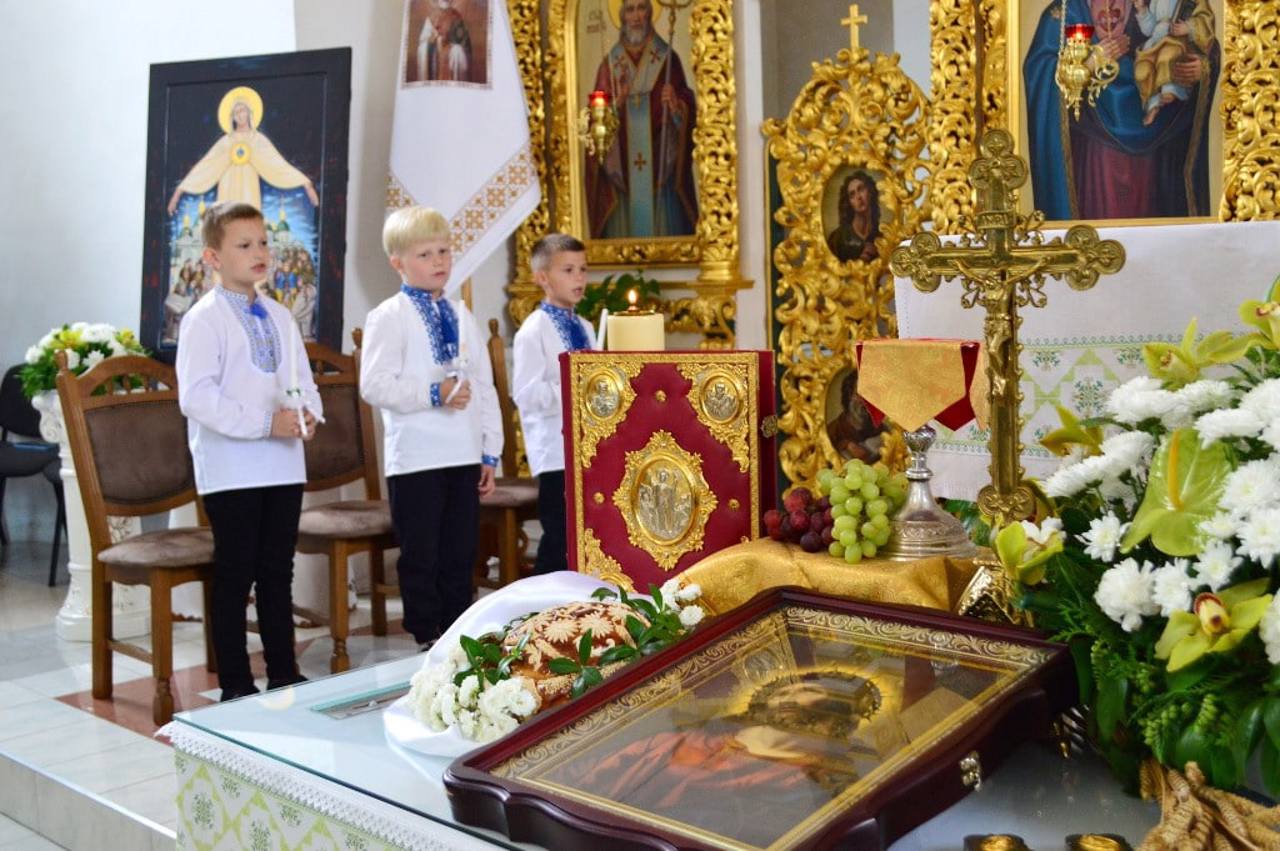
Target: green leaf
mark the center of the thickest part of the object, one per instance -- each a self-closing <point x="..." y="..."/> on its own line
<point x="584" y="647"/>
<point x="519" y="648"/>
<point x="579" y="684"/>
<point x="1113" y="694"/>
<point x="1224" y="772"/>
<point x="1270" y="765"/>
<point x="656" y="593"/>
<point x="1080" y="652"/>
<point x="474" y="649"/>
<point x="1271" y="719"/>
<point x="603" y="594"/>
<point x="1184" y="679"/>
<point x="1249" y="730"/>
<point x="492" y="676"/>
<point x="492" y="653"/>
<point x="592" y="676"/>
<point x="1193" y="746"/>
<point x="1183" y="489"/>
<point x="635" y="627"/>
<point x="462" y="675"/>
<point x="646" y="608"/>
<point x="617" y="654"/>
<point x="563" y="666"/>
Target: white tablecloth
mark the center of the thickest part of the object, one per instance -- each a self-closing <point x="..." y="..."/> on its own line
<point x="1085" y="343"/>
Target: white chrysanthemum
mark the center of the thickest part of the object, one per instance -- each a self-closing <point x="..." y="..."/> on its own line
<point x="1260" y="536"/>
<point x="1171" y="587"/>
<point x="670" y="589"/>
<point x="1220" y="526"/>
<point x="1263" y="401"/>
<point x="1140" y="399"/>
<point x="99" y="332"/>
<point x="1118" y="490"/>
<point x="1205" y="395"/>
<point x="1103" y="537"/>
<point x="1069" y="481"/>
<point x="33" y="354"/>
<point x="73" y="358"/>
<point x="689" y="593"/>
<point x="94" y="358"/>
<point x="1216" y="564"/>
<point x="47" y="340"/>
<point x="467" y="692"/>
<point x="1227" y="423"/>
<point x="79" y="326"/>
<point x="1269" y="630"/>
<point x="1271" y="434"/>
<point x="1124" y="594"/>
<point x="116" y="347"/>
<point x="1251" y="487"/>
<point x="691" y="616"/>
<point x="1127" y="451"/>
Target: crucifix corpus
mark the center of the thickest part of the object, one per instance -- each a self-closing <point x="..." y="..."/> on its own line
<point x="1003" y="261"/>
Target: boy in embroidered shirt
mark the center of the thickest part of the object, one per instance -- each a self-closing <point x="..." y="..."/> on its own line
<point x="234" y="348"/>
<point x="426" y="367"/>
<point x="559" y="264"/>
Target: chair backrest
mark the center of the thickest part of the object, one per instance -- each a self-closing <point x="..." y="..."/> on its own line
<point x="17" y="415"/>
<point x="510" y="425"/>
<point x="342" y="450"/>
<point x="128" y="439"/>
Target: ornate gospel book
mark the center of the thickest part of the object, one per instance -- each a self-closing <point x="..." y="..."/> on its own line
<point x="669" y="457"/>
<point x="795" y="721"/>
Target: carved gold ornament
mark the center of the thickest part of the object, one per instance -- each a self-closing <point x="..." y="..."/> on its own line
<point x="858" y="112"/>
<point x="719" y="395"/>
<point x="971" y="77"/>
<point x="713" y="249"/>
<point x="606" y="394"/>
<point x="664" y="500"/>
<point x="601" y="566"/>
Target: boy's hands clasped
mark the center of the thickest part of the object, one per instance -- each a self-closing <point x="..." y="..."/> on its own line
<point x="285" y="423"/>
<point x="460" y="399"/>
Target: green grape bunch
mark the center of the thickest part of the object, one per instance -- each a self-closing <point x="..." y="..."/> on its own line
<point x="851" y="517"/>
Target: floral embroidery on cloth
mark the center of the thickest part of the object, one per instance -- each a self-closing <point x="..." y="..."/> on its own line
<point x="568" y="326"/>
<point x="440" y="320"/>
<point x="264" y="339"/>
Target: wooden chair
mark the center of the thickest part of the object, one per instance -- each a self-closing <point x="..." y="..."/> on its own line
<point x="515" y="500"/>
<point x="342" y="452"/>
<point x="129" y="442"/>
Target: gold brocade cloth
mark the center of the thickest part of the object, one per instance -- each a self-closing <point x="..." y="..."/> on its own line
<point x="734" y="575"/>
<point x="914" y="381"/>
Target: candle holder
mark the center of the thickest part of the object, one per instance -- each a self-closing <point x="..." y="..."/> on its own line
<point x="597" y="124"/>
<point x="921" y="529"/>
<point x="1083" y="69"/>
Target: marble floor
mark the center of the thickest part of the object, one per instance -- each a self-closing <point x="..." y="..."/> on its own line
<point x="61" y="751"/>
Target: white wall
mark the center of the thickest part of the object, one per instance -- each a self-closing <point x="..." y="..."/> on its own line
<point x="73" y="106"/>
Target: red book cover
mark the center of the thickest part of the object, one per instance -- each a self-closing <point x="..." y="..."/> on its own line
<point x="669" y="457"/>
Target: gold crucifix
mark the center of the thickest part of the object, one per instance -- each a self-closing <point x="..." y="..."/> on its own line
<point x="1003" y="262"/>
<point x="853" y="22"/>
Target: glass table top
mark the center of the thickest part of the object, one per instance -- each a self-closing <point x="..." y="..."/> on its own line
<point x="1036" y="794"/>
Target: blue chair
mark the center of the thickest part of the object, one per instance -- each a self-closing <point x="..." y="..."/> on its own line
<point x="27" y="458"/>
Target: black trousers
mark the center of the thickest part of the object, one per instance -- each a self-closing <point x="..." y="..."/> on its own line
<point x="436" y="514"/>
<point x="255" y="532"/>
<point x="554" y="547"/>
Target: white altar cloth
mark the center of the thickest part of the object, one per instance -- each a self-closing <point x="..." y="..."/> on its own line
<point x="1084" y="344"/>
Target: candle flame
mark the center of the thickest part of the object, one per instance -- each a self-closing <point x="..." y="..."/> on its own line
<point x="631" y="297"/>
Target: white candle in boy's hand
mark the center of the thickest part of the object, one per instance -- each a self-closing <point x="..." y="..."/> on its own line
<point x="293" y="355"/>
<point x="462" y="339"/>
<point x="604" y="326"/>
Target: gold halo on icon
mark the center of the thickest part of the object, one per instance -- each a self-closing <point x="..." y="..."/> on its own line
<point x="240" y="94"/>
<point x="615" y="12"/>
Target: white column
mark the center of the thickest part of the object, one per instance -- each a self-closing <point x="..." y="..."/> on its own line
<point x="131" y="610"/>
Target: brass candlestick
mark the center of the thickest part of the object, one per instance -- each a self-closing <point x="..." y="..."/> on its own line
<point x="597" y="124"/>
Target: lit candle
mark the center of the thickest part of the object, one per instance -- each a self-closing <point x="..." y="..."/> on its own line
<point x="462" y="340"/>
<point x="1081" y="32"/>
<point x="600" y="335"/>
<point x="598" y="99"/>
<point x="293" y="356"/>
<point x="636" y="329"/>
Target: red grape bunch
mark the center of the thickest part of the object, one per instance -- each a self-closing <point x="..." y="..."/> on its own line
<point x="850" y="517"/>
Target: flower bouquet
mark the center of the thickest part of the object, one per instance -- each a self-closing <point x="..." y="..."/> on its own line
<point x="1157" y="562"/>
<point x="86" y="346"/>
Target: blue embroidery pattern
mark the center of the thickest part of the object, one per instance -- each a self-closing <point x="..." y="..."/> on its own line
<point x="489" y="460"/>
<point x="264" y="339"/>
<point x="440" y="320"/>
<point x="436" y="401"/>
<point x="568" y="326"/>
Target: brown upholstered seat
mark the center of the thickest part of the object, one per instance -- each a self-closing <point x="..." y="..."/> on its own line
<point x="512" y="493"/>
<point x="189" y="547"/>
<point x="342" y="452"/>
<point x="355" y="518"/>
<point x="129" y="441"/>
